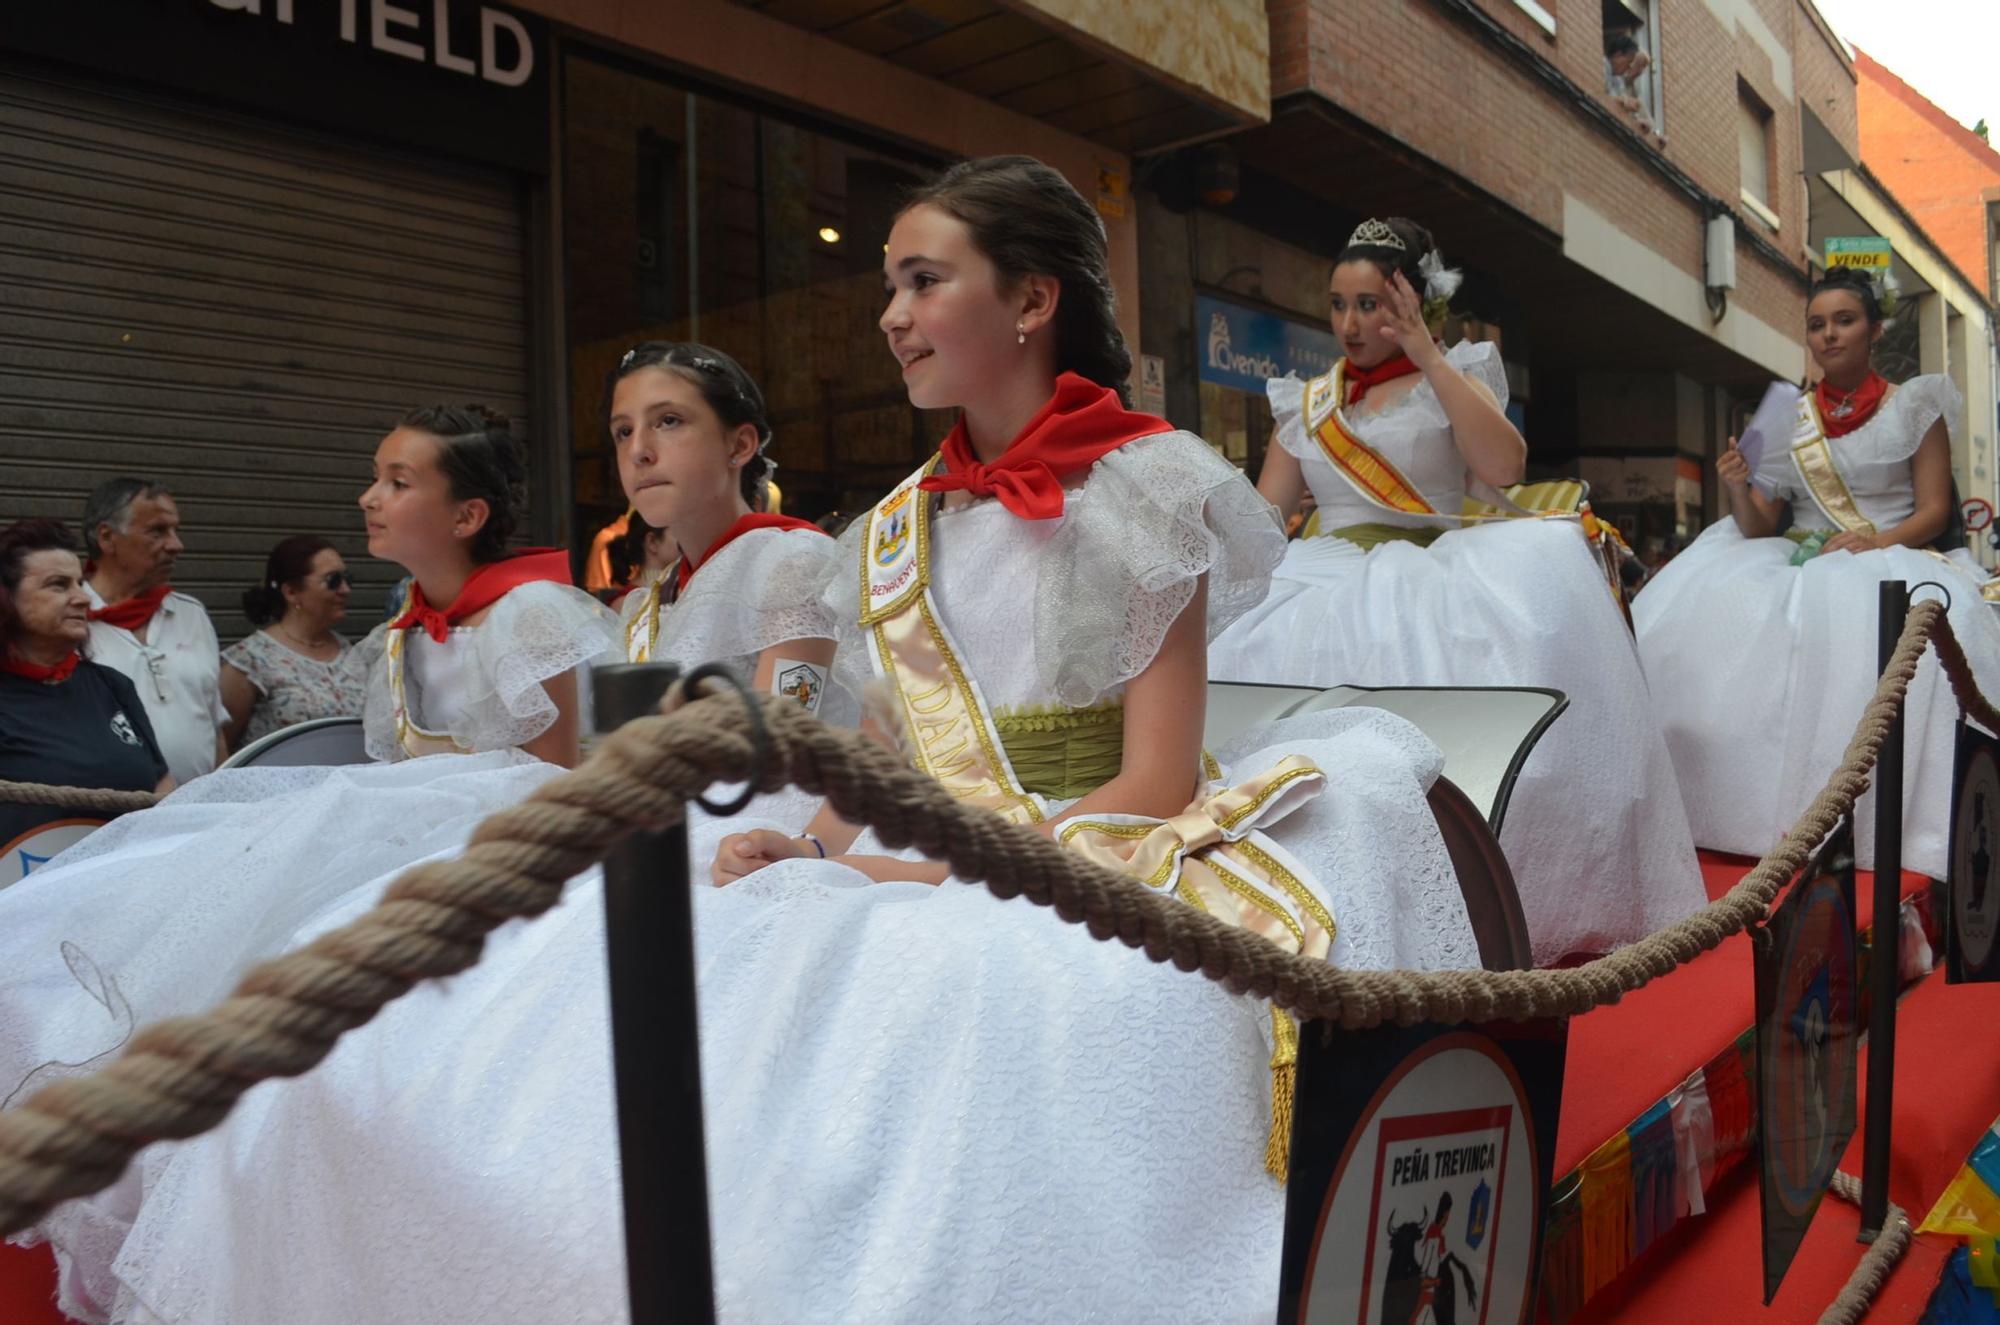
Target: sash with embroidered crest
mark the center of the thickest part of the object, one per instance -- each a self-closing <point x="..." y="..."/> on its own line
<point x="949" y="728"/>
<point x="1812" y="454"/>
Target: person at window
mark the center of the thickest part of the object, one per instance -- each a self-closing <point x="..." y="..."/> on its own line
<point x="1759" y="639"/>
<point x="1624" y="62"/>
<point x="295" y="667"/>
<point x="64" y="720"/>
<point x="161" y="639"/>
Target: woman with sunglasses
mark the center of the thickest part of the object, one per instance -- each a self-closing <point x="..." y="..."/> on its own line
<point x="295" y="667"/>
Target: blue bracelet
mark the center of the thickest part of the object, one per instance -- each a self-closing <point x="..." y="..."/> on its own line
<point x="818" y="845"/>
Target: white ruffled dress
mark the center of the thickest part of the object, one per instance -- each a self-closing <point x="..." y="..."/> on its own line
<point x="923" y="1104"/>
<point x="159" y="913"/>
<point x="1600" y="849"/>
<point x="1760" y="669"/>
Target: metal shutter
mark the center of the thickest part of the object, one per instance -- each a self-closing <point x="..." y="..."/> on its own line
<point x="241" y="311"/>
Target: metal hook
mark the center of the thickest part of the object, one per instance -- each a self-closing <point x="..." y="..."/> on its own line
<point x="760" y="735"/>
<point x="1931" y="584"/>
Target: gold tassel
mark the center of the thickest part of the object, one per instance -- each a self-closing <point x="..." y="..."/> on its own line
<point x="1284" y="1086"/>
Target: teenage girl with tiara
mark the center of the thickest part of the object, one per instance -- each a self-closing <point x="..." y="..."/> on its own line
<point x="1759" y="639"/>
<point x="1396" y="591"/>
<point x="923" y="1104"/>
<point x="158" y="913"/>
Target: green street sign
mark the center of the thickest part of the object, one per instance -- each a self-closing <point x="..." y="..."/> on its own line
<point x="1870" y="253"/>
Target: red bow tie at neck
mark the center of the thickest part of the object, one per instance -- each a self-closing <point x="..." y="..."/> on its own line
<point x="1082" y="423"/>
<point x="484" y="587"/>
<point x="134" y="612"/>
<point x="1360" y="379"/>
<point x="34" y="671"/>
<point x="1841" y="412"/>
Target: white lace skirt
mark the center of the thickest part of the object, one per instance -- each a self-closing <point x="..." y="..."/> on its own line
<point x="1760" y="670"/>
<point x="1595" y="834"/>
<point x="923" y="1105"/>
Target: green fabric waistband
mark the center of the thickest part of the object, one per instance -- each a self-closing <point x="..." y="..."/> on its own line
<point x="1063" y="753"/>
<point x="1372" y="535"/>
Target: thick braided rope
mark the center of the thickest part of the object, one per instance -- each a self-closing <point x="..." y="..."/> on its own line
<point x="1876" y="1262"/>
<point x="180" y="1077"/>
<point x="102" y="800"/>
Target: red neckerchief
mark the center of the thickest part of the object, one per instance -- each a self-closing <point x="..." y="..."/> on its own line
<point x="744" y="524"/>
<point x="34" y="671"/>
<point x="1841" y="412"/>
<point x="483" y="588"/>
<point x="1360" y="379"/>
<point x="134" y="612"/>
<point x="1081" y="423"/>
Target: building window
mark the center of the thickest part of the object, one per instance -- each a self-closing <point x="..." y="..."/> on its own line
<point x="691" y="217"/>
<point x="1632" y="62"/>
<point x="1542" y="18"/>
<point x="1753" y="151"/>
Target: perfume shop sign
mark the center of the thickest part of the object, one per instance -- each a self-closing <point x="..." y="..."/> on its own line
<point x="466" y="77"/>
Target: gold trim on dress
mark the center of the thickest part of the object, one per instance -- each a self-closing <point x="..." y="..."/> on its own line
<point x="415" y="741"/>
<point x="1819" y="470"/>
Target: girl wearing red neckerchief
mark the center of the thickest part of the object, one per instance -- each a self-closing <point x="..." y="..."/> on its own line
<point x="914" y="1085"/>
<point x="483" y="655"/>
<point x="1758" y="638"/>
<point x="1391" y="589"/>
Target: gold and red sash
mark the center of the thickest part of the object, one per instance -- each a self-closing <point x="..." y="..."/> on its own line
<point x="1812" y="455"/>
<point x="948" y="727"/>
<point x="1365" y="469"/>
<point x="1214" y="856"/>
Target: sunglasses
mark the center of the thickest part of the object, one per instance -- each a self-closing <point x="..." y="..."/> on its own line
<point x="336" y="580"/>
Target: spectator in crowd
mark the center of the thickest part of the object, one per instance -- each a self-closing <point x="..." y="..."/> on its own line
<point x="64" y="720"/>
<point x="642" y="552"/>
<point x="295" y="667"/>
<point x="160" y="639"/>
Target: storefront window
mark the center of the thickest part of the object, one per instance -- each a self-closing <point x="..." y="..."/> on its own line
<point x="691" y="218"/>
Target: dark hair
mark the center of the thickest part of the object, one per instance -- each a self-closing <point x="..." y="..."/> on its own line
<point x="729" y="390"/>
<point x="110" y="502"/>
<point x="1417" y="244"/>
<point x="288" y="564"/>
<point x="1620" y="44"/>
<point x="17" y="541"/>
<point x="1029" y="221"/>
<point x="627" y="552"/>
<point x="481" y="460"/>
<point x="1855" y="282"/>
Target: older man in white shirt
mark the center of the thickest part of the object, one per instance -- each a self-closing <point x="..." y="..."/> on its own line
<point x="162" y="640"/>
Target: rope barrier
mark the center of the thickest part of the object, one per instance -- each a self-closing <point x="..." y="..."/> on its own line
<point x="1880" y="1258"/>
<point x="101" y="800"/>
<point x="180" y="1077"/>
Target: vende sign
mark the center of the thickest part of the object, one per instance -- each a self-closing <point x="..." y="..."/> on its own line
<point x="504" y="52"/>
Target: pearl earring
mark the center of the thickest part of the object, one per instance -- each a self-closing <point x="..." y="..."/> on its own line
<point x="1020" y="333"/>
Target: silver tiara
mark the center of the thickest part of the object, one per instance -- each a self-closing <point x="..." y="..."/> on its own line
<point x="1376" y="234"/>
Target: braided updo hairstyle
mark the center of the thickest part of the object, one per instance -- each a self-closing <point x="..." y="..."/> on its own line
<point x="1028" y="221"/>
<point x="481" y="459"/>
<point x="1855" y="282"/>
<point x="729" y="390"/>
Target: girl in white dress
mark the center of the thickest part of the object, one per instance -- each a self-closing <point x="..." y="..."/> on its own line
<point x="1394" y="591"/>
<point x="159" y="913"/>
<point x="1761" y="648"/>
<point x="923" y="1104"/>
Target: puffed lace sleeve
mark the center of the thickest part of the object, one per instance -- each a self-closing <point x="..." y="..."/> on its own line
<point x="534" y="634"/>
<point x="1287" y="395"/>
<point x="1480" y="361"/>
<point x="852" y="670"/>
<point x="1917" y="404"/>
<point x="1155" y="515"/>
<point x="763" y="588"/>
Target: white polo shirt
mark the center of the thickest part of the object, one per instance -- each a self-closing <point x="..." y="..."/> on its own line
<point x="178" y="674"/>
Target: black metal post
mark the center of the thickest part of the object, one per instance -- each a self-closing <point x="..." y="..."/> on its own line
<point x="1892" y="606"/>
<point x="655" y="1053"/>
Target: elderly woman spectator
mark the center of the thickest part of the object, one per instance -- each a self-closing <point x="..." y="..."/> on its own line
<point x="295" y="667"/>
<point x="64" y="720"/>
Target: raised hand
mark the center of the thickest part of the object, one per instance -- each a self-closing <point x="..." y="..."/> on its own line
<point x="1731" y="467"/>
<point x="1406" y="326"/>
